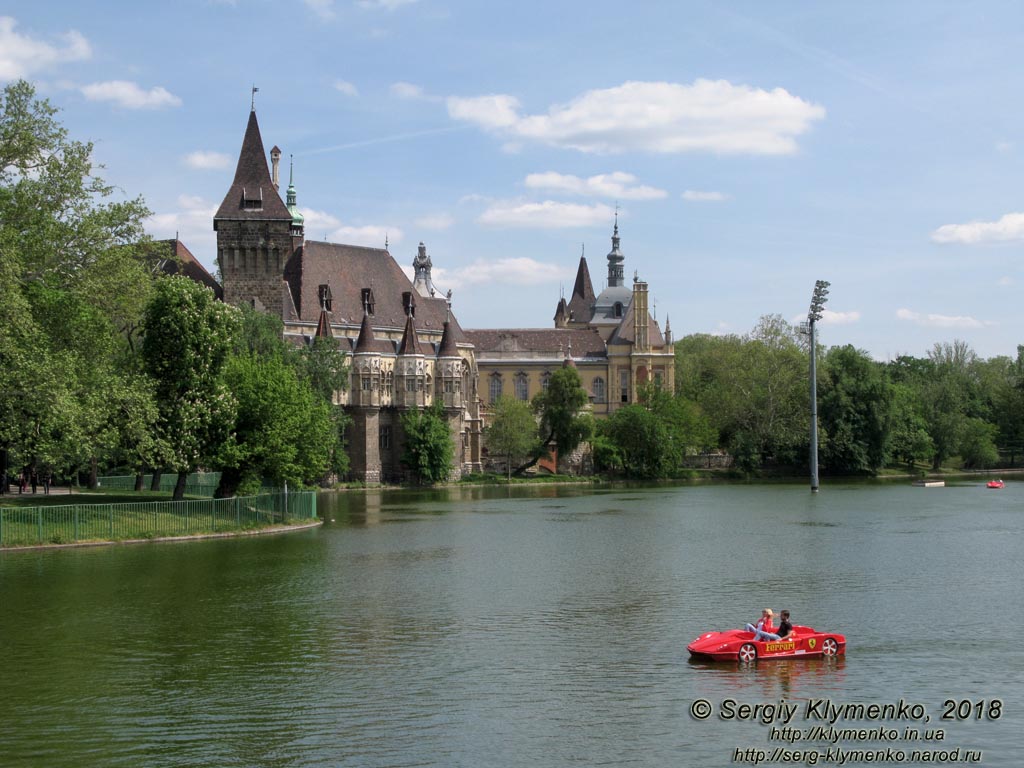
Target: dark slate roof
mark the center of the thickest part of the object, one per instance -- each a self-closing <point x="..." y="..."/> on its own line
<point x="626" y="332"/>
<point x="582" y="302"/>
<point x="555" y="342"/>
<point x="447" y="347"/>
<point x="347" y="269"/>
<point x="252" y="176"/>
<point x="175" y="258"/>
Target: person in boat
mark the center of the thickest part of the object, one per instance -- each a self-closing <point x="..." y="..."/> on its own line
<point x="764" y="627"/>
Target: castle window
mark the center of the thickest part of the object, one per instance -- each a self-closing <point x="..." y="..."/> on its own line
<point x="522" y="386"/>
<point x="384" y="437"/>
<point x="545" y="379"/>
<point x="366" y="382"/>
<point x="252" y="205"/>
<point x="389" y="382"/>
<point x="495" y="387"/>
<point x="618" y="309"/>
<point x="410" y="384"/>
<point x="599" y="393"/>
<point x="624" y="385"/>
<point x="450" y="386"/>
<point x="368" y="300"/>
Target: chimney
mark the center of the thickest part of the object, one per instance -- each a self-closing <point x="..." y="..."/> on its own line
<point x="275" y="161"/>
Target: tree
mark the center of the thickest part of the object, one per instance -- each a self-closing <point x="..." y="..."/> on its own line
<point x="428" y="444"/>
<point x="188" y="335"/>
<point x="977" y="445"/>
<point x="560" y="410"/>
<point x="282" y="432"/>
<point x="512" y="431"/>
<point x="855" y="409"/>
<point x="641" y="439"/>
<point x="73" y="281"/>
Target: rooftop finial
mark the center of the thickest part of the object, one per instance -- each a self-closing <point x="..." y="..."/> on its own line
<point x="255" y="90"/>
<point x="385" y="241"/>
<point x="616" y="232"/>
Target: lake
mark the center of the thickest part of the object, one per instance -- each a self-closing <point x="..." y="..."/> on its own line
<point x="541" y="626"/>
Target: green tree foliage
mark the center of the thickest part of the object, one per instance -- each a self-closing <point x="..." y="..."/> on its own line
<point x="188" y="335"/>
<point x="641" y="441"/>
<point x="560" y="408"/>
<point x="429" y="451"/>
<point x="282" y="432"/>
<point x="753" y="389"/>
<point x="511" y="431"/>
<point x="855" y="410"/>
<point x="977" y="444"/>
<point x="74" y="278"/>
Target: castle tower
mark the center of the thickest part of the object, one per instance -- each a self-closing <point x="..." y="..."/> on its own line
<point x="298" y="220"/>
<point x="615" y="258"/>
<point x="253" y="231"/>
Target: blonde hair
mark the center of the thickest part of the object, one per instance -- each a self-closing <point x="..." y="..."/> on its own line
<point x="768" y="611"/>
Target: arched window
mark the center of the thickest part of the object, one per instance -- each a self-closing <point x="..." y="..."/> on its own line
<point x="618" y="309"/>
<point x="545" y="379"/>
<point x="599" y="393"/>
<point x="522" y="386"/>
<point x="495" y="387"/>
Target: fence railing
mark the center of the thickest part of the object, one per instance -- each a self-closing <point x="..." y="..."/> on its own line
<point x="198" y="483"/>
<point x="20" y="526"/>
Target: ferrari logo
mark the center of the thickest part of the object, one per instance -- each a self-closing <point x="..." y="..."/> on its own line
<point x="811" y="643"/>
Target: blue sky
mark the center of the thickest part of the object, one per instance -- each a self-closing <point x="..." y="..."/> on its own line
<point x="752" y="147"/>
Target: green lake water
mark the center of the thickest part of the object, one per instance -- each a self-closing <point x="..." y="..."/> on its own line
<point x="539" y="627"/>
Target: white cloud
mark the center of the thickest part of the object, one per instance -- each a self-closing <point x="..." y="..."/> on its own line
<point x="21" y="55"/>
<point x="493" y="112"/>
<point x="617" y="185"/>
<point x="516" y="271"/>
<point x="828" y="317"/>
<point x="191" y="224"/>
<point x="1004" y="146"/>
<point x="705" y="116"/>
<point x="408" y="91"/>
<point x="932" y="320"/>
<point x="1009" y="227"/>
<point x="1006" y="281"/>
<point x="387" y="5"/>
<point x="696" y="196"/>
<point x="371" y="235"/>
<point x="345" y="87"/>
<point x="436" y="221"/>
<point x="318" y="222"/>
<point x="203" y="160"/>
<point x="130" y="96"/>
<point x="322" y="8"/>
<point x="546" y="215"/>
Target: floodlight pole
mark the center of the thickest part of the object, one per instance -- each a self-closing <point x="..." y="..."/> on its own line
<point x="813" y="316"/>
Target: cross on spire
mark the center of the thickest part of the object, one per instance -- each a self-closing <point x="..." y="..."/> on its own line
<point x="255" y="90"/>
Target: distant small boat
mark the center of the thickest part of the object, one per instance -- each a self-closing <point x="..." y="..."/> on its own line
<point x="930" y="483"/>
<point x="995" y="484"/>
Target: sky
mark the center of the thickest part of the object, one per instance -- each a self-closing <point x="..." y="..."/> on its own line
<point x="750" y="148"/>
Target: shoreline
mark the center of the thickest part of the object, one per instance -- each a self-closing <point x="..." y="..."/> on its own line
<point x="165" y="539"/>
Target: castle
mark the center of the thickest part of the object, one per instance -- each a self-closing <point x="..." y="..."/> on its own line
<point x="406" y="348"/>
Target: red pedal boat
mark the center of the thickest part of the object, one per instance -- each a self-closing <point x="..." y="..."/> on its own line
<point x="995" y="484"/>
<point x="739" y="645"/>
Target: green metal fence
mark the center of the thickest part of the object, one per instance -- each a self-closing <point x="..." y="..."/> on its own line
<point x="198" y="483"/>
<point x="20" y="526"/>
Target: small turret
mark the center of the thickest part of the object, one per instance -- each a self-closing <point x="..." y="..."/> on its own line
<point x="421" y="263"/>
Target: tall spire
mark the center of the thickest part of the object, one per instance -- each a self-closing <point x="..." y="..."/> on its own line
<point x="298" y="220"/>
<point x="615" y="257"/>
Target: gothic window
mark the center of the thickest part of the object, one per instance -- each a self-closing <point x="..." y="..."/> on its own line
<point x="522" y="386"/>
<point x="624" y="385"/>
<point x="599" y="394"/>
<point x="368" y="300"/>
<point x="366" y="382"/>
<point x="450" y="386"/>
<point x="389" y="382"/>
<point x="658" y="379"/>
<point x="618" y="309"/>
<point x="410" y="384"/>
<point x="384" y="437"/>
<point x="495" y="387"/>
<point x="545" y="379"/>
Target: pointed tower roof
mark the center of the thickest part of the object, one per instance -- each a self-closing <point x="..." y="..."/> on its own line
<point x="323" y="325"/>
<point x="447" y="347"/>
<point x="615" y="258"/>
<point x="409" y="345"/>
<point x="365" y="342"/>
<point x="252" y="194"/>
<point x="293" y="208"/>
<point x="582" y="302"/>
